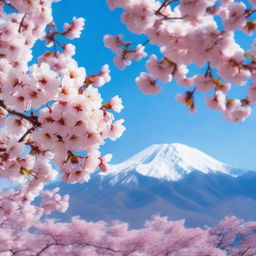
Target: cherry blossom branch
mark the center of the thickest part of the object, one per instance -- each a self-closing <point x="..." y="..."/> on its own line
<point x="172" y="18"/>
<point x="218" y="39"/>
<point x="26" y="133"/>
<point x="22" y="21"/>
<point x="32" y="119"/>
<point x="249" y="12"/>
<point x="146" y="42"/>
<point x="245" y="251"/>
<point x="164" y="4"/>
<point x="56" y="243"/>
<point x="208" y="71"/>
<point x="13" y="252"/>
<point x="8" y="4"/>
<point x="193" y="91"/>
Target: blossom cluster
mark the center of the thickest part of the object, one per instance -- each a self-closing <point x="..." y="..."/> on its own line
<point x="121" y="49"/>
<point x="52" y="115"/>
<point x="203" y="33"/>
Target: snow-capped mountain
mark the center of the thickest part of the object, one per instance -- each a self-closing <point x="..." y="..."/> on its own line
<point x="172" y="180"/>
<point x="170" y="162"/>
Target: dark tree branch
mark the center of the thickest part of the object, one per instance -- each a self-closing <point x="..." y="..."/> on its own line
<point x="21" y="23"/>
<point x="26" y="133"/>
<point x="164" y="4"/>
<point x="75" y="243"/>
<point x="8" y="4"/>
<point x="32" y="119"/>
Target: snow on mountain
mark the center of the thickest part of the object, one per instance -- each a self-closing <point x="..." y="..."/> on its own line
<point x="169" y="162"/>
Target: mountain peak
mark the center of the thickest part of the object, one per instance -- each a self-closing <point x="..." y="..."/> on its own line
<point x="171" y="162"/>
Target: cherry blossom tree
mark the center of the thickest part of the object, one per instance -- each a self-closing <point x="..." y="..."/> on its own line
<point x="51" y="108"/>
<point x="52" y="119"/>
<point x="234" y="236"/>
<point x="199" y="32"/>
<point x="158" y="237"/>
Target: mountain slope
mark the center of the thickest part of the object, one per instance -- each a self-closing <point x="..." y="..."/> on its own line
<point x="201" y="199"/>
<point x="171" y="180"/>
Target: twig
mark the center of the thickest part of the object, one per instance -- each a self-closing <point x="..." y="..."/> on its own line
<point x="21" y="23"/>
<point x="164" y="4"/>
<point x="8" y="4"/>
<point x="208" y="71"/>
<point x="26" y="133"/>
<point x="144" y="43"/>
<point x="32" y="119"/>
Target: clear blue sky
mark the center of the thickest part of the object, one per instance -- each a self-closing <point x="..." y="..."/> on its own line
<point x="154" y="119"/>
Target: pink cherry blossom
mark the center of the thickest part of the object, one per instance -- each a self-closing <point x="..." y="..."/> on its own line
<point x="238" y="114"/>
<point x="187" y="99"/>
<point x="113" y="42"/>
<point x="101" y="78"/>
<point x="17" y="126"/>
<point x="217" y="102"/>
<point x="121" y="49"/>
<point x="137" y="54"/>
<point x="194" y="7"/>
<point x="203" y="83"/>
<point x="252" y="93"/>
<point x="138" y="16"/>
<point x="104" y="162"/>
<point x="235" y="18"/>
<point x="114" y="104"/>
<point x="74" y="29"/>
<point x="113" y="4"/>
<point x="116" y="130"/>
<point x="163" y="69"/>
<point x="147" y="84"/>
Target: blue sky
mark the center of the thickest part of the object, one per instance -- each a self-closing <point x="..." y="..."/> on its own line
<point x="154" y="119"/>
